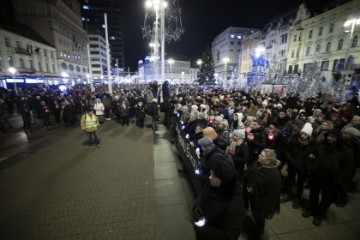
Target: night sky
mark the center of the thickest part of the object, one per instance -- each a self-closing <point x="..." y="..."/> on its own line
<point x="202" y="20"/>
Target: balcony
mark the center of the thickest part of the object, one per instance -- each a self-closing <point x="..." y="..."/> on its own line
<point x="24" y="51"/>
<point x="26" y="70"/>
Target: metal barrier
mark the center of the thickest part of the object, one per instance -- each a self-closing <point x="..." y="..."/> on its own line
<point x="188" y="155"/>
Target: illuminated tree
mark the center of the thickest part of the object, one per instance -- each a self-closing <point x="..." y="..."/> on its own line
<point x="311" y="82"/>
<point x="207" y="69"/>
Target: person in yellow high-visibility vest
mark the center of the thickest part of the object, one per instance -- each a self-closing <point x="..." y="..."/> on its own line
<point x="89" y="124"/>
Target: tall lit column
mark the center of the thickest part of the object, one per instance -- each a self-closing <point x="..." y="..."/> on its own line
<point x="171" y="62"/>
<point x="159" y="7"/>
<point x="108" y="55"/>
<point x="352" y="21"/>
<point x="90" y="69"/>
<point x="12" y="70"/>
<point x="225" y="60"/>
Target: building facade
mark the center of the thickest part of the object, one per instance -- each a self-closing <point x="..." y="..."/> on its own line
<point x="59" y="23"/>
<point x="33" y="58"/>
<point x="93" y="21"/>
<point x="98" y="58"/>
<point x="249" y="44"/>
<point x="324" y="39"/>
<point x="176" y="71"/>
<point x="226" y="49"/>
<point x="275" y="38"/>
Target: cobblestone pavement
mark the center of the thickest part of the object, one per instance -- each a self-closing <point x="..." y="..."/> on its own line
<point x="65" y="189"/>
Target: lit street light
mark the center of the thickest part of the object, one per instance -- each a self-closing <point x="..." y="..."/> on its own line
<point x="225" y="60"/>
<point x="12" y="70"/>
<point x="171" y="62"/>
<point x="352" y="21"/>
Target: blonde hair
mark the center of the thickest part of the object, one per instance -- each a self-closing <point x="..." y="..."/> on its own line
<point x="270" y="156"/>
<point x="209" y="131"/>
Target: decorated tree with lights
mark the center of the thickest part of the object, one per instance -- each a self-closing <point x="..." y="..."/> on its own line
<point x="311" y="82"/>
<point x="207" y="69"/>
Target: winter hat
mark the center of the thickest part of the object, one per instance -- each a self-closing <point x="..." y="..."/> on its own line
<point x="225" y="122"/>
<point x="303" y="113"/>
<point x="202" y="115"/>
<point x="194" y="107"/>
<point x="224" y="170"/>
<point x="206" y="141"/>
<point x="352" y="131"/>
<point x="265" y="103"/>
<point x="240" y="133"/>
<point x="308" y="129"/>
<point x="240" y="116"/>
<point x="356" y="118"/>
<point x="268" y="111"/>
<point x="218" y="118"/>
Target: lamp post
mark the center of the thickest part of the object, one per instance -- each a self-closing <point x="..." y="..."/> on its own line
<point x="199" y="62"/>
<point x="352" y="21"/>
<point x="12" y="70"/>
<point x="171" y="62"/>
<point x="225" y="60"/>
<point x="159" y="7"/>
<point x="155" y="58"/>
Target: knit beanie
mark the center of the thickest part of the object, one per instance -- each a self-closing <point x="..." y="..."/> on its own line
<point x="225" y="122"/>
<point x="206" y="141"/>
<point x="240" y="133"/>
<point x="308" y="129"/>
<point x="356" y="117"/>
<point x="352" y="131"/>
<point x="219" y="118"/>
<point x="224" y="170"/>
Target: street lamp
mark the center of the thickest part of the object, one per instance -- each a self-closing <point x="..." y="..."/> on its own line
<point x="199" y="62"/>
<point x="352" y="21"/>
<point x="12" y="70"/>
<point x="65" y="76"/>
<point x="171" y="62"/>
<point x="225" y="60"/>
<point x="159" y="5"/>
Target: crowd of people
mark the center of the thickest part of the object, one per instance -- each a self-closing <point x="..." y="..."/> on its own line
<point x="257" y="150"/>
<point x="277" y="147"/>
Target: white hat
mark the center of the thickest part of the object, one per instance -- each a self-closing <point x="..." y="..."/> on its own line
<point x="225" y="122"/>
<point x="308" y="129"/>
<point x="218" y="118"/>
<point x="240" y="133"/>
<point x="194" y="107"/>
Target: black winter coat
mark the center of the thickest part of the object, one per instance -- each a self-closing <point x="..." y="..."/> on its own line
<point x="223" y="210"/>
<point x="263" y="185"/>
<point x="297" y="153"/>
